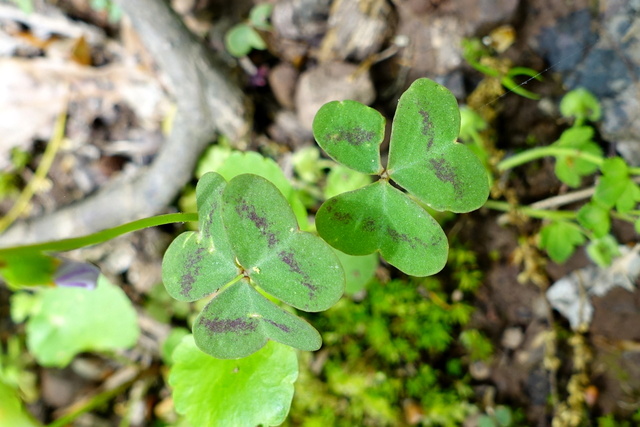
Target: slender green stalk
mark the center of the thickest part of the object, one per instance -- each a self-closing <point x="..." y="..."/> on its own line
<point x="553" y="151"/>
<point x="534" y="213"/>
<point x="101" y="236"/>
<point x="41" y="173"/>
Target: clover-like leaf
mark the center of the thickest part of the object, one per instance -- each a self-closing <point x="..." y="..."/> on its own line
<point x="249" y="237"/>
<point x="381" y="218"/>
<point x="292" y="265"/>
<point x="239" y="320"/>
<point x="424" y="157"/>
<point x="351" y="134"/>
<point x="196" y="264"/>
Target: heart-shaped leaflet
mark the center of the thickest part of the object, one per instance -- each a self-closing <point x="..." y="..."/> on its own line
<point x="424" y="157"/>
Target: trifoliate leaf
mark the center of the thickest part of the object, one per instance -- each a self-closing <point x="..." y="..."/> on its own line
<point x="249" y="237"/>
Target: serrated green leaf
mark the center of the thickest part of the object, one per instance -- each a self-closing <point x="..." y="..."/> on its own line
<point x="424" y="157"/>
<point x="351" y="134"/>
<point x="197" y="264"/>
<point x="241" y="39"/>
<point x="380" y="218"/>
<point x="596" y="218"/>
<point x="256" y="390"/>
<point x="560" y="240"/>
<point x="603" y="250"/>
<point x="291" y="265"/>
<point x="68" y="318"/>
<point x="239" y="320"/>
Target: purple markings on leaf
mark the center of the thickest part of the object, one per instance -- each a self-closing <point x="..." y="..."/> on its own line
<point x="355" y="137"/>
<point x="283" y="328"/>
<point x="76" y="274"/>
<point x="229" y="325"/>
<point x="248" y="211"/>
<point x="445" y="173"/>
<point x="289" y="259"/>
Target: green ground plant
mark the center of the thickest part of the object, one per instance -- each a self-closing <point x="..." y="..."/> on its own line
<point x="577" y="155"/>
<point x="244" y="37"/>
<point x="250" y="256"/>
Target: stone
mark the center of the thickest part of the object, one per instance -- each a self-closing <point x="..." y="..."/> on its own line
<point x="332" y="81"/>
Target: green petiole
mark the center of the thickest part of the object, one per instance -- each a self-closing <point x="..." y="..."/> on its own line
<point x="101" y="236"/>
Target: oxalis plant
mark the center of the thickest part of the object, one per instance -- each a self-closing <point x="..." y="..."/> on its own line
<point x="252" y="261"/>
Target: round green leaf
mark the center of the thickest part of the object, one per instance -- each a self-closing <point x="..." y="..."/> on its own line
<point x="259" y="16"/>
<point x="256" y="390"/>
<point x="291" y="265"/>
<point x="72" y="320"/>
<point x="197" y="264"/>
<point x="240" y="39"/>
<point x="424" y="157"/>
<point x="351" y="134"/>
<point x="381" y="218"/>
<point x="239" y="320"/>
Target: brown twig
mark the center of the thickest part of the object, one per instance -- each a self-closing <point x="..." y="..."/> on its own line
<point x="208" y="103"/>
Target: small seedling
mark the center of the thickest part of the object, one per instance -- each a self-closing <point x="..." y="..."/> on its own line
<point x="244" y="37"/>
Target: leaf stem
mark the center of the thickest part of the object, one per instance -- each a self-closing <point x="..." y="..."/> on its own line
<point x="101" y="236"/>
<point x="41" y="173"/>
<point x="534" y="213"/>
<point x="554" y="151"/>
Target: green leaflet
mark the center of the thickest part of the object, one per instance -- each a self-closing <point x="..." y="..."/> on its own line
<point x="424" y="157"/>
<point x="380" y="217"/>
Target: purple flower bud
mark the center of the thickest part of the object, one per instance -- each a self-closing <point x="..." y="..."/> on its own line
<point x="76" y="274"/>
